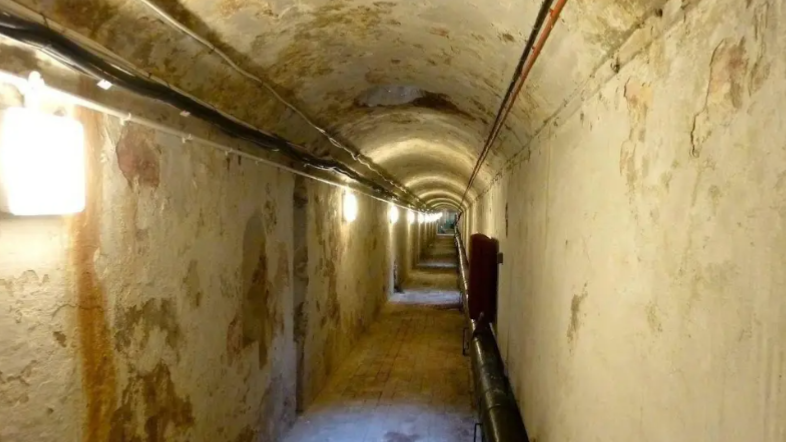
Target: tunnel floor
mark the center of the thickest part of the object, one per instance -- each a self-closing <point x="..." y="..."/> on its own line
<point x="406" y="381"/>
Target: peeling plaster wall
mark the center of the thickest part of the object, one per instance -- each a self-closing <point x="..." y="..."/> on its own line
<point x="333" y="58"/>
<point x="641" y="296"/>
<point x="404" y="232"/>
<point x="349" y="279"/>
<point x="163" y="312"/>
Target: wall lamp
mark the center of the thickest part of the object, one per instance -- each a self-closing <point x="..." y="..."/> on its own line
<point x="393" y="214"/>
<point x="350" y="206"/>
<point x="42" y="158"/>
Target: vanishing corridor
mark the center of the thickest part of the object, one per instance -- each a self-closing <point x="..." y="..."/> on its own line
<point x="255" y="220"/>
<point x="406" y="380"/>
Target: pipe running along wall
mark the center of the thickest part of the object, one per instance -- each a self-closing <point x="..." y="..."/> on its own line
<point x="497" y="408"/>
<point x="520" y="75"/>
<point x="62" y="48"/>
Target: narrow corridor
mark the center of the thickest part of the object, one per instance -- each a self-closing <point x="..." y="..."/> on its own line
<point x="406" y="380"/>
<point x="219" y="220"/>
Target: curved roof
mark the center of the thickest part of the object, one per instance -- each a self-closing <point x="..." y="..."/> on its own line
<point x="412" y="84"/>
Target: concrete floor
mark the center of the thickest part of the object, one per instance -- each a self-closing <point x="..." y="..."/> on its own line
<point x="406" y="381"/>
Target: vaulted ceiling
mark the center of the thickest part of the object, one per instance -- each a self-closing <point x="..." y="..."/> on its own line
<point x="412" y="84"/>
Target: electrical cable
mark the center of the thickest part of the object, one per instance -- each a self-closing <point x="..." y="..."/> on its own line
<point x="125" y="118"/>
<point x="357" y="156"/>
<point x="61" y="47"/>
<point x="499" y="120"/>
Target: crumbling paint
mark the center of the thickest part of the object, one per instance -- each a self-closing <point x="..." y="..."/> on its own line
<point x="134" y="325"/>
<point x="137" y="156"/>
<point x="656" y="192"/>
<point x="348" y="280"/>
<point x="322" y="55"/>
<point x="117" y="325"/>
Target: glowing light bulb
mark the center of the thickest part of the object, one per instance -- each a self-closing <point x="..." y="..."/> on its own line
<point x="42" y="163"/>
<point x="410" y="216"/>
<point x="350" y="207"/>
<point x="393" y="214"/>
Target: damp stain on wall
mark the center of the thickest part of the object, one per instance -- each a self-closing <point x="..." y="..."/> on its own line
<point x="150" y="402"/>
<point x="575" y="315"/>
<point x="134" y="325"/>
<point x="138" y="156"/>
<point x="95" y="342"/>
<point x="260" y="317"/>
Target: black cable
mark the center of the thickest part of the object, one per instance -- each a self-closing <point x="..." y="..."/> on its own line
<point x="537" y="26"/>
<point x="87" y="62"/>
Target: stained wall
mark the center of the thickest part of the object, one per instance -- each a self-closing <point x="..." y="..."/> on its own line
<point x="166" y="310"/>
<point x="350" y="276"/>
<point x="641" y="296"/>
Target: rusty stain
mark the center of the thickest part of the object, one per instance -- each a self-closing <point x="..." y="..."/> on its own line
<point x="728" y="69"/>
<point x="60" y="337"/>
<point x="95" y="343"/>
<point x="151" y="399"/>
<point x="442" y="32"/>
<point x="137" y="156"/>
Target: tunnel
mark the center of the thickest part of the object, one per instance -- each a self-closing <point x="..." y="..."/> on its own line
<point x="254" y="220"/>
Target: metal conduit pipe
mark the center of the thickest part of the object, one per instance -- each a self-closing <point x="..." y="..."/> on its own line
<point x="498" y="411"/>
<point x="463" y="275"/>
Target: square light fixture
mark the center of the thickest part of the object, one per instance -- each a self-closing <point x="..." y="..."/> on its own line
<point x="42" y="163"/>
<point x="350" y="205"/>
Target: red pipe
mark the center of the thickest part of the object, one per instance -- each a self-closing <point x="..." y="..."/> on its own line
<point x="544" y="36"/>
<point x="537" y="49"/>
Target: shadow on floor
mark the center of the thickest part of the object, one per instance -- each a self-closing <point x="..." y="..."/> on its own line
<point x="406" y="381"/>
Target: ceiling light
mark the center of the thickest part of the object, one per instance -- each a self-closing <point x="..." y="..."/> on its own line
<point x="105" y="85"/>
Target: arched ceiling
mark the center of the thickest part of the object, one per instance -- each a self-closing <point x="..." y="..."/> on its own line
<point x="412" y="84"/>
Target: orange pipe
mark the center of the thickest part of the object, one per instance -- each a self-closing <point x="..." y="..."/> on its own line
<point x="544" y="36"/>
<point x="536" y="50"/>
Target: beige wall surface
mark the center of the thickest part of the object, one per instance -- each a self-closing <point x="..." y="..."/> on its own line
<point x="642" y="294"/>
